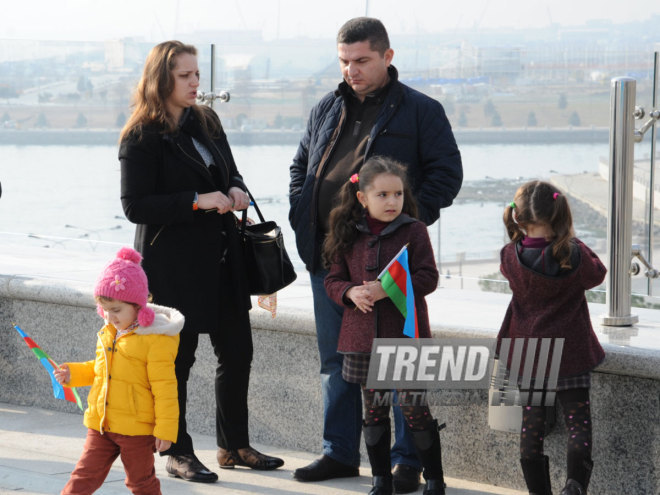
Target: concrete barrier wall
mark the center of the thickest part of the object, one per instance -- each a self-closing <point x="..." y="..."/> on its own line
<point x="285" y="398"/>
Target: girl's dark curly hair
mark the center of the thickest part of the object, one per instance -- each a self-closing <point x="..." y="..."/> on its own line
<point x="349" y="212"/>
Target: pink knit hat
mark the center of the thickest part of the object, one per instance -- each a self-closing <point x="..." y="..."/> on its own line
<point x="124" y="279"/>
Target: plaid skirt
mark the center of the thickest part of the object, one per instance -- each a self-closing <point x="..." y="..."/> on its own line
<point x="355" y="368"/>
<point x="571" y="382"/>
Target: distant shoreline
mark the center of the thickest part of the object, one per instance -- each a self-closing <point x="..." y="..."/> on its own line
<point x="495" y="135"/>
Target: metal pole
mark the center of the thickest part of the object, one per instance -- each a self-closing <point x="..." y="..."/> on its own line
<point x="439" y="253"/>
<point x="656" y="84"/>
<point x="212" y="83"/>
<point x="619" y="220"/>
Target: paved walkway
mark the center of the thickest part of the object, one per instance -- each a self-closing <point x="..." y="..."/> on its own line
<point x="38" y="449"/>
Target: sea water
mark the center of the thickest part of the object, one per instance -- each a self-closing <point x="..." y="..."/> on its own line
<point x="67" y="197"/>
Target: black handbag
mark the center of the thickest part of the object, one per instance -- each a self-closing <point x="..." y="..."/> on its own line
<point x="267" y="263"/>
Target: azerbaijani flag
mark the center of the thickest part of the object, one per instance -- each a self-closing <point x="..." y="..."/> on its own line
<point x="397" y="284"/>
<point x="60" y="392"/>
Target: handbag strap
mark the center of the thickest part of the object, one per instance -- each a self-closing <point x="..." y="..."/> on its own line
<point x="244" y="216"/>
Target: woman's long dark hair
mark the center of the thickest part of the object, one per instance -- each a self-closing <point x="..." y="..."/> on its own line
<point x="155" y="87"/>
<point x="538" y="202"/>
<point x="349" y="212"/>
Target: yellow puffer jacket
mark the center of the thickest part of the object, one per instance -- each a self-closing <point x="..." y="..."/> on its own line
<point x="134" y="388"/>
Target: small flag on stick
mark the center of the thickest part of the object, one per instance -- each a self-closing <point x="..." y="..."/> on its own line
<point x="397" y="284"/>
<point x="65" y="393"/>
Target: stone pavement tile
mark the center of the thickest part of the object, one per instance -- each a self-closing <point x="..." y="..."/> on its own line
<point x="39" y="448"/>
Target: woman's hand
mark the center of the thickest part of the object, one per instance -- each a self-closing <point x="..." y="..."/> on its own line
<point x="62" y="374"/>
<point x="214" y="201"/>
<point x="240" y="198"/>
<point x="162" y="445"/>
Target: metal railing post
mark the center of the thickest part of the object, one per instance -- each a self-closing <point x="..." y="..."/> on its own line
<point x="619" y="220"/>
<point x="651" y="225"/>
<point x="212" y="78"/>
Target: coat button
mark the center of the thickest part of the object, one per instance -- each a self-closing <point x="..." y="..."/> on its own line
<point x="109" y="348"/>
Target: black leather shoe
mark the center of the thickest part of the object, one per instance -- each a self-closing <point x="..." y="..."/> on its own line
<point x="406" y="478"/>
<point x="325" y="468"/>
<point x="189" y="468"/>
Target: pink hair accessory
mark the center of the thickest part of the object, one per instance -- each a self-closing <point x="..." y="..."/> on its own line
<point x="554" y="195"/>
<point x="354" y="179"/>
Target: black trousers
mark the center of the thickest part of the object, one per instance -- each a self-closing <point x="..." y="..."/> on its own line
<point x="232" y="346"/>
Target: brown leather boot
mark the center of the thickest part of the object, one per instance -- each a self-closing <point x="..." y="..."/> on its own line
<point x="248" y="457"/>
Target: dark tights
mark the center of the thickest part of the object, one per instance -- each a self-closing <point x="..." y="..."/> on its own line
<point x="417" y="416"/>
<point x="577" y="415"/>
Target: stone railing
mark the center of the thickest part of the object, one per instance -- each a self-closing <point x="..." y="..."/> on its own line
<point x="285" y="394"/>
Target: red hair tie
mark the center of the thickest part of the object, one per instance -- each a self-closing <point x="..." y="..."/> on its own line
<point x="554" y="195"/>
<point x="354" y="179"/>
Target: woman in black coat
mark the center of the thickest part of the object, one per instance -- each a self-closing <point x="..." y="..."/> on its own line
<point x="180" y="185"/>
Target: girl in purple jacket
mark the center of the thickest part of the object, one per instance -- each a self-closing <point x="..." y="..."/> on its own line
<point x="374" y="220"/>
<point x="548" y="270"/>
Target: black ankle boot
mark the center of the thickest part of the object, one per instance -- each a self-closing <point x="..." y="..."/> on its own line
<point x="427" y="444"/>
<point x="579" y="474"/>
<point x="377" y="439"/>
<point x="572" y="487"/>
<point x="536" y="471"/>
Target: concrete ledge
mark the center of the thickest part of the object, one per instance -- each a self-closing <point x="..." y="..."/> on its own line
<point x="285" y="396"/>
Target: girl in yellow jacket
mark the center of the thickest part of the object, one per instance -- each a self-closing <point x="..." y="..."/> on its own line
<point x="132" y="405"/>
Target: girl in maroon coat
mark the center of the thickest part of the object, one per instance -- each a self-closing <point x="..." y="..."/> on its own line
<point x="374" y="220"/>
<point x="548" y="270"/>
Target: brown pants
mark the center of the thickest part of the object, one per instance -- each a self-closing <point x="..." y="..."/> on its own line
<point x="100" y="451"/>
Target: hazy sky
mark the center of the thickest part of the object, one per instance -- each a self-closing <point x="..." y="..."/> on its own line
<point x="156" y="20"/>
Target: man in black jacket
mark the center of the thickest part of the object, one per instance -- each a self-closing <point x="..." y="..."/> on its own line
<point x="371" y="113"/>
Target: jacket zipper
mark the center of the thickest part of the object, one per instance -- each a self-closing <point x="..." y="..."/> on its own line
<point x="382" y="130"/>
<point x="203" y="165"/>
<point x="157" y="234"/>
<point x="107" y="385"/>
<point x="222" y="157"/>
<point x="317" y="183"/>
<point x="224" y="161"/>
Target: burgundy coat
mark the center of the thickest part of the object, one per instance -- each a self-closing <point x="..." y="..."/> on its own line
<point x="554" y="306"/>
<point x="364" y="262"/>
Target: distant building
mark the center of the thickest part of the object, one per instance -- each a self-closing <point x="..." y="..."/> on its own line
<point x="501" y="64"/>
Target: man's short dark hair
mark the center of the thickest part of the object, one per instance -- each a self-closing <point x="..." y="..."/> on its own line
<point x="365" y="29"/>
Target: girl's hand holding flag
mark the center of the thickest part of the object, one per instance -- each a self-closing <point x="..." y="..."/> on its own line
<point x="62" y="374"/>
<point x="59" y="392"/>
